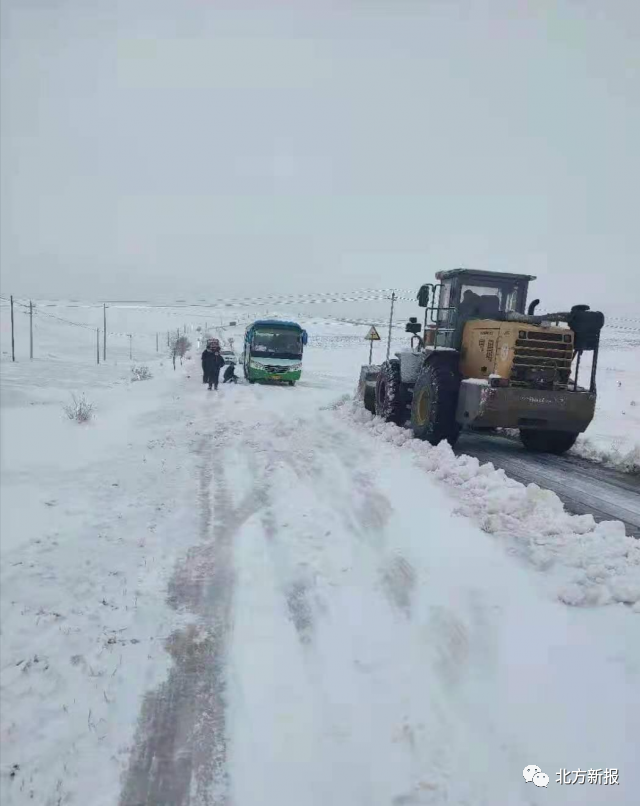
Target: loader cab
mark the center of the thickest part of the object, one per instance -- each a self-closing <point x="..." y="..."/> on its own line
<point x="463" y="294"/>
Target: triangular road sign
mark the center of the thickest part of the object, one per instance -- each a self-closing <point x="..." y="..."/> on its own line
<point x="372" y="335"/>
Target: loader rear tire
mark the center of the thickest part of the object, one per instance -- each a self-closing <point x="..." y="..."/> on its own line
<point x="556" y="442"/>
<point x="435" y="398"/>
<point x="391" y="398"/>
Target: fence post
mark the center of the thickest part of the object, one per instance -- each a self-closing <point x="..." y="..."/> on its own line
<point x="98" y="345"/>
<point x="13" y="342"/>
<point x="130" y="346"/>
<point x="31" y="329"/>
<point x="157" y="346"/>
<point x="104" y="333"/>
<point x="393" y="300"/>
<point x="167" y="338"/>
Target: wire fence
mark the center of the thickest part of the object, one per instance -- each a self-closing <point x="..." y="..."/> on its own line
<point x="219" y="319"/>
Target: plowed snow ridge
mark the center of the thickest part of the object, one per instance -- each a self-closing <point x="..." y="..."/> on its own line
<point x="589" y="563"/>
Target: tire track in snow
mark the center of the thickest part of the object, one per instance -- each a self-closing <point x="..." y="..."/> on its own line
<point x="362" y="507"/>
<point x="338" y="613"/>
<point x="361" y="513"/>
<point x="296" y="591"/>
<point x="180" y="753"/>
<point x="399" y="581"/>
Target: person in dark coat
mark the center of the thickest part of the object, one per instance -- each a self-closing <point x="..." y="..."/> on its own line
<point x="230" y="374"/>
<point x="212" y="363"/>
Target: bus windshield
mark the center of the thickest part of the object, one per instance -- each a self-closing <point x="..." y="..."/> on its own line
<point x="277" y="343"/>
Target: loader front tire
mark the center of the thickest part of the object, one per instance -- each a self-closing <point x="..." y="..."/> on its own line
<point x="435" y="398"/>
<point x="556" y="442"/>
<point x="391" y="401"/>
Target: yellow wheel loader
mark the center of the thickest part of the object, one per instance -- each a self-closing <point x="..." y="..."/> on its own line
<point x="480" y="361"/>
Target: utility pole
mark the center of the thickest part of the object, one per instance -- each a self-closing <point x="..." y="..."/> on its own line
<point x="104" y="333"/>
<point x="13" y="341"/>
<point x="130" y="346"/>
<point x="167" y="338"/>
<point x="393" y="301"/>
<point x="98" y="345"/>
<point x="31" y="330"/>
<point x="157" y="346"/>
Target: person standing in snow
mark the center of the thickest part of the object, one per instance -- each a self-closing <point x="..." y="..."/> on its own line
<point x="212" y="363"/>
<point x="204" y="374"/>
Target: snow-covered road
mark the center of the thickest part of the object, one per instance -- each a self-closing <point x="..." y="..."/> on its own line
<point x="260" y="598"/>
<point x="349" y="640"/>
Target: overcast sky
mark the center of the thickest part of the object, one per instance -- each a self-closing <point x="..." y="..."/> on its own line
<point x="175" y="148"/>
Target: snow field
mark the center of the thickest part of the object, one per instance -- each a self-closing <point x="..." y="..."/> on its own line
<point x="379" y="647"/>
<point x="92" y="524"/>
<point x="613" y="438"/>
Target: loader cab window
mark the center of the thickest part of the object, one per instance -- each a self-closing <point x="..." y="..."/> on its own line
<point x="469" y="292"/>
<point x="445" y="294"/>
<point x="480" y="301"/>
<point x="444" y="316"/>
<point x="512" y="300"/>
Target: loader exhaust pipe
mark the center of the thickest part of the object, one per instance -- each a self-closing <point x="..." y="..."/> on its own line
<point x="532" y="306"/>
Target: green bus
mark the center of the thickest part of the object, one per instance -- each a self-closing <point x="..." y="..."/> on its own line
<point x="273" y="351"/>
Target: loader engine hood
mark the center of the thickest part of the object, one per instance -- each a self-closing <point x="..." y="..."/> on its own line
<point x="585" y="323"/>
<point x="524" y="354"/>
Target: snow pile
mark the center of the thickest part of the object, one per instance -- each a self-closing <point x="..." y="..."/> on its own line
<point x="588" y="563"/>
<point x="626" y="459"/>
<point x="476" y="381"/>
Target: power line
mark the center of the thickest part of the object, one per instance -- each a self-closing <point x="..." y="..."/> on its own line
<point x="314" y="297"/>
<point x="308" y="299"/>
<point x="39" y="312"/>
<point x="268" y="299"/>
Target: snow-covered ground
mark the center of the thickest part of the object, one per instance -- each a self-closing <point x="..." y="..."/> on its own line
<point x="265" y="596"/>
<point x="613" y="438"/>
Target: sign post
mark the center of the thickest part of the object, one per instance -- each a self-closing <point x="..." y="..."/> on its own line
<point x="13" y="341"/>
<point x="372" y="336"/>
<point x="393" y="300"/>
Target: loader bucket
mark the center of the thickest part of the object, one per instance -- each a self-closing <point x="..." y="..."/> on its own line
<point x="367" y="387"/>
